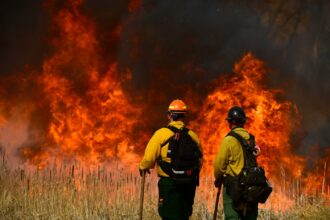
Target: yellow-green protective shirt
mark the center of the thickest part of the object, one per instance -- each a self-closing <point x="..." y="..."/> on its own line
<point x="154" y="150"/>
<point x="230" y="158"/>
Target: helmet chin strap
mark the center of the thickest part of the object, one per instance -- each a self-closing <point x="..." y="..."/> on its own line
<point x="169" y="116"/>
<point x="173" y="117"/>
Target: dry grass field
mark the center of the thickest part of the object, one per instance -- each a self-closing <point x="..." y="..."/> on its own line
<point x="73" y="192"/>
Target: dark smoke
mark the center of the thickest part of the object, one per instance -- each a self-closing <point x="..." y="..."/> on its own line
<point x="305" y="74"/>
<point x="207" y="36"/>
<point x="173" y="47"/>
<point x="23" y="35"/>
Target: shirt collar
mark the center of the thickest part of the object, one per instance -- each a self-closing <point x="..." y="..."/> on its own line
<point x="177" y="124"/>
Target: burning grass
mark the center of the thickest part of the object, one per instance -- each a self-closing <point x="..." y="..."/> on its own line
<point x="76" y="192"/>
<point x="77" y="113"/>
<point x="82" y="109"/>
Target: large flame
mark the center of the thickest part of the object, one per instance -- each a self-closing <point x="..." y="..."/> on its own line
<point x="90" y="117"/>
<point x="271" y="121"/>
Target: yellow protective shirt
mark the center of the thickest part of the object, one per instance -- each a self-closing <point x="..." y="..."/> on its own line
<point x="154" y="150"/>
<point x="230" y="158"/>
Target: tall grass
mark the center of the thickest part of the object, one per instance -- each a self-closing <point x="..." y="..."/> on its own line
<point x="76" y="192"/>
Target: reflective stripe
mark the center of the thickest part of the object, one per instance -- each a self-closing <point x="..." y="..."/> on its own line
<point x="177" y="171"/>
<point x="173" y="107"/>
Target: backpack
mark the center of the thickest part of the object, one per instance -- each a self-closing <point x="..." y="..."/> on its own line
<point x="185" y="154"/>
<point x="251" y="184"/>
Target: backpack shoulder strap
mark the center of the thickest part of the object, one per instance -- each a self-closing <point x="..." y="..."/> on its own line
<point x="242" y="142"/>
<point x="197" y="150"/>
<point x="165" y="166"/>
<point x="249" y="158"/>
<point x="166" y="142"/>
<point x="174" y="130"/>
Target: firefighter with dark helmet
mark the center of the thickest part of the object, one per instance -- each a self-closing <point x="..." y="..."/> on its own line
<point x="176" y="185"/>
<point x="229" y="161"/>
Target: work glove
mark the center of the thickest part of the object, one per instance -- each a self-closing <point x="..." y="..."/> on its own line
<point x="218" y="182"/>
<point x="144" y="171"/>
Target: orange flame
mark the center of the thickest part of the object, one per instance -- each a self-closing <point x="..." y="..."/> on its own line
<point x="271" y="121"/>
<point x="91" y="118"/>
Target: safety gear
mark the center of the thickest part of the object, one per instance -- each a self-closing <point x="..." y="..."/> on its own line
<point x="185" y="154"/>
<point x="236" y="115"/>
<point x="152" y="152"/>
<point x="230" y="148"/>
<point x="251" y="185"/>
<point x="175" y="201"/>
<point x="177" y="106"/>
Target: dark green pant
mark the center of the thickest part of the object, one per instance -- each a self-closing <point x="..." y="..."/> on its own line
<point x="175" y="202"/>
<point x="232" y="214"/>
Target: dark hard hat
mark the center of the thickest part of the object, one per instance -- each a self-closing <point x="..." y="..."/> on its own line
<point x="236" y="115"/>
